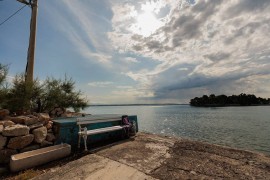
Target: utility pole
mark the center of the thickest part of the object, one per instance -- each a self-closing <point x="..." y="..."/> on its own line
<point x="29" y="71"/>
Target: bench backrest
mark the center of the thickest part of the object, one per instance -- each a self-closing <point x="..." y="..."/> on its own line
<point x="98" y="118"/>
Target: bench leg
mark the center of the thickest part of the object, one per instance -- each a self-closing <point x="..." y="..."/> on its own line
<point x="79" y="142"/>
<point x="85" y="138"/>
<point x="85" y="142"/>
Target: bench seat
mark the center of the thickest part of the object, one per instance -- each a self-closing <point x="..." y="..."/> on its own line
<point x="101" y="130"/>
<point x="84" y="132"/>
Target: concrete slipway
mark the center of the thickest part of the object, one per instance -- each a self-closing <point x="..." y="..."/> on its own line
<point x="149" y="156"/>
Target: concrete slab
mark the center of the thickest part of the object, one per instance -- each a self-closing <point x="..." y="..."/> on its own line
<point x="149" y="156"/>
<point x="94" y="167"/>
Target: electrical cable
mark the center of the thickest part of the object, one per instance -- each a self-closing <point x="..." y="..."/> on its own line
<point x="12" y="15"/>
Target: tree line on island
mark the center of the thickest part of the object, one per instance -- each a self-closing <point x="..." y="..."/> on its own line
<point x="223" y="100"/>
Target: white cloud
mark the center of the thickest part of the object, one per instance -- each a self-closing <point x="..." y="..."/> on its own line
<point x="131" y="60"/>
<point x="76" y="21"/>
<point x="100" y="84"/>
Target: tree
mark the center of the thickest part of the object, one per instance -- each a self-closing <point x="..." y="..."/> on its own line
<point x="3" y="73"/>
<point x="61" y="93"/>
<point x="222" y="100"/>
<point x="21" y="97"/>
<point x="3" y="89"/>
<point x="25" y="96"/>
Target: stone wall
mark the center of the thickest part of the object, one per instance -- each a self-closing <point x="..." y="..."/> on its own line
<point x="24" y="133"/>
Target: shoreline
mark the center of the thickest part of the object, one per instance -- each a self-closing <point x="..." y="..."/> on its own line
<point x="151" y="156"/>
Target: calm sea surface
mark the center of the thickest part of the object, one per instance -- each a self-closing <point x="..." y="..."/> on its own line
<point x="241" y="127"/>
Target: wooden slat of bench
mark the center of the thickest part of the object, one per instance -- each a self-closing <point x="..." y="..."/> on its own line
<point x="103" y="130"/>
<point x="85" y="121"/>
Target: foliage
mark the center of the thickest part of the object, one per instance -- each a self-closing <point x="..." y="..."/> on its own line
<point x="22" y="95"/>
<point x="3" y="89"/>
<point x="3" y="73"/>
<point x="25" y="96"/>
<point x="223" y="100"/>
<point x="61" y="93"/>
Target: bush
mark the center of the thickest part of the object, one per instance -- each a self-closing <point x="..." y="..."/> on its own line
<point x="61" y="93"/>
<point x="3" y="73"/>
<point x="22" y="96"/>
<point x="33" y="96"/>
<point x="3" y="88"/>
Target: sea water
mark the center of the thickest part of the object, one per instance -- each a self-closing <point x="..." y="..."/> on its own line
<point x="241" y="127"/>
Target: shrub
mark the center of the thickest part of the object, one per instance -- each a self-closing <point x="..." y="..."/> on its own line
<point x="22" y="96"/>
<point x="3" y="88"/>
<point x="28" y="96"/>
<point x="61" y="93"/>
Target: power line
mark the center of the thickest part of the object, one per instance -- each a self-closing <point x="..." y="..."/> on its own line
<point x="12" y="15"/>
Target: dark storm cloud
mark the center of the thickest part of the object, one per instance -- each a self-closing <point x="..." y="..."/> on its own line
<point x="246" y="30"/>
<point x="217" y="56"/>
<point x="206" y="9"/>
<point x="138" y="48"/>
<point x="247" y="6"/>
<point x="231" y="82"/>
<point x="186" y="27"/>
<point x="201" y="81"/>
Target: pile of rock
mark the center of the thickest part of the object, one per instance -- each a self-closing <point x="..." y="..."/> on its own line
<point x="24" y="133"/>
<point x="62" y="112"/>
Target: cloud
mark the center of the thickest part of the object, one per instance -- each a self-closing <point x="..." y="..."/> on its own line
<point x="84" y="28"/>
<point x="131" y="60"/>
<point x="172" y="50"/>
<point x="217" y="46"/>
<point x="100" y="84"/>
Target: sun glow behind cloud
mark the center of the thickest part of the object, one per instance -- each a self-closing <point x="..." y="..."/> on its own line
<point x="146" y="21"/>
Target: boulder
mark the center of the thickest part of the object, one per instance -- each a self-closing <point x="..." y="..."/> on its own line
<point x="1" y="128"/>
<point x="44" y="117"/>
<point x="3" y="141"/>
<point x="66" y="114"/>
<point x="5" y="155"/>
<point x="20" y="141"/>
<point x="18" y="119"/>
<point x="50" y="137"/>
<point x="35" y="126"/>
<point x="30" y="148"/>
<point x="40" y="134"/>
<point x="31" y="120"/>
<point x="3" y="113"/>
<point x="25" y="120"/>
<point x="49" y="125"/>
<point x="45" y="144"/>
<point x="16" y="130"/>
<point x="6" y="123"/>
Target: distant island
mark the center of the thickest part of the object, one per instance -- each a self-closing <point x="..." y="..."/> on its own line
<point x="157" y="104"/>
<point x="234" y="100"/>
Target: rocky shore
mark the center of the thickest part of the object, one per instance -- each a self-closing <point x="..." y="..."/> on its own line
<point x="149" y="156"/>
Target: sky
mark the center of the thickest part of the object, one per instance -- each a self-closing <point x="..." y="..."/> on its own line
<point x="157" y="51"/>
